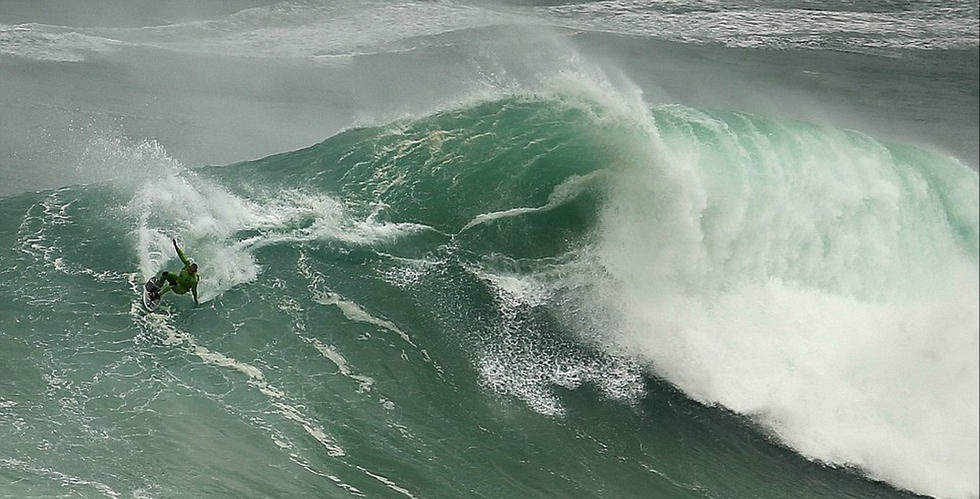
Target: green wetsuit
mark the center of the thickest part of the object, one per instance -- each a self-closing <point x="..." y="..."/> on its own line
<point x="182" y="282"/>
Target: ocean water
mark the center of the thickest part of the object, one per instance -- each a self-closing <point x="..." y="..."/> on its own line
<point x="607" y="249"/>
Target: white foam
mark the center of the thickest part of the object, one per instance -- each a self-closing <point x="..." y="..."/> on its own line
<point x="329" y="351"/>
<point x="171" y="201"/>
<point x="204" y="217"/>
<point x="311" y="427"/>
<point x="511" y="361"/>
<point x="355" y="312"/>
<point x="813" y="283"/>
<point x="563" y="193"/>
<point x="387" y="482"/>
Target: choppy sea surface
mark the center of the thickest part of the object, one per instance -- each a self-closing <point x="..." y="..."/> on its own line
<point x="462" y="249"/>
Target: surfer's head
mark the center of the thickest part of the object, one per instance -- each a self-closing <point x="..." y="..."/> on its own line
<point x="193" y="268"/>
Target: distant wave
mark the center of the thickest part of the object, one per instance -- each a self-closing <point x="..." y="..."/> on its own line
<point x="325" y="31"/>
<point x="52" y="43"/>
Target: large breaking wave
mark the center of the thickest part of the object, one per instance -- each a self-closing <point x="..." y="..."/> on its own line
<point x="816" y="280"/>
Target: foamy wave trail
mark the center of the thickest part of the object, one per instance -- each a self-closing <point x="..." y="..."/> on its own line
<point x="698" y="303"/>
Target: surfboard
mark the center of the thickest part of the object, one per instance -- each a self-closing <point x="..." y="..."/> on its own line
<point x="149" y="301"/>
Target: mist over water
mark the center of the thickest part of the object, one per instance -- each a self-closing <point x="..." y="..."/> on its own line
<point x="594" y="249"/>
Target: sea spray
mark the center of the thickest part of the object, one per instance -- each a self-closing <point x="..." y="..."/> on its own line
<point x="813" y="279"/>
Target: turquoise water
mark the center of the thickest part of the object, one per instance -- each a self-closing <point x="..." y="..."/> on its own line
<point x="543" y="276"/>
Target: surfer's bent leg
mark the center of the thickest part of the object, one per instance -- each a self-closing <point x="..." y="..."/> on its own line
<point x="168" y="278"/>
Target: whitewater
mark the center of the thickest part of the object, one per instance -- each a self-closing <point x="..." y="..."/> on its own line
<point x="522" y="249"/>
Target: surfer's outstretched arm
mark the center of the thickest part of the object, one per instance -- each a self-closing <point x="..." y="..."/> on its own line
<point x="180" y="253"/>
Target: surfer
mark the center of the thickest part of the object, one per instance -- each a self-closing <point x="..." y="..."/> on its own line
<point x="182" y="282"/>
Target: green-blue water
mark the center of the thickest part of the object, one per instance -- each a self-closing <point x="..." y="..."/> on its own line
<point x="563" y="283"/>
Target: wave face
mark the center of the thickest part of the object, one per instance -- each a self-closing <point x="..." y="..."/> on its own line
<point x="537" y="248"/>
<point x="691" y="303"/>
